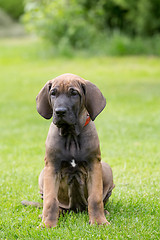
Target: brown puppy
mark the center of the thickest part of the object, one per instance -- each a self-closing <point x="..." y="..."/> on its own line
<point x="73" y="177"/>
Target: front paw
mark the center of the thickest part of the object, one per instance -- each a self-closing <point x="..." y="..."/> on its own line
<point x="99" y="221"/>
<point x="49" y="224"/>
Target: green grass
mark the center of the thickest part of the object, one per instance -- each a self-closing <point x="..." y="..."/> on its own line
<point x="129" y="132"/>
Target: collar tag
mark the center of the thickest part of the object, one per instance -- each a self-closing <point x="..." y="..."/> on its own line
<point x="87" y="120"/>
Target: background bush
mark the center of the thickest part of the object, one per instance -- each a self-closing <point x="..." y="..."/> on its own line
<point x="62" y="22"/>
<point x="134" y="17"/>
<point x="15" y="8"/>
<point x="114" y="26"/>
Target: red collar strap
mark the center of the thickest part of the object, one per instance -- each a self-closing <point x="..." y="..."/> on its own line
<point x="87" y="120"/>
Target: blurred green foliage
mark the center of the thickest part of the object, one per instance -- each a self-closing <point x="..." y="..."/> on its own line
<point x="15" y="8"/>
<point x="61" y="22"/>
<point x="84" y="23"/>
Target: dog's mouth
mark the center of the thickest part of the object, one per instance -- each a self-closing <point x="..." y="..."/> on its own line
<point x="66" y="126"/>
<point x="61" y="122"/>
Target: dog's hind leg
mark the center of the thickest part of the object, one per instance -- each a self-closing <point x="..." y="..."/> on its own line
<point x="108" y="184"/>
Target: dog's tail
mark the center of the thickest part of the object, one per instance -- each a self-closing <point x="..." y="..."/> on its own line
<point x="34" y="204"/>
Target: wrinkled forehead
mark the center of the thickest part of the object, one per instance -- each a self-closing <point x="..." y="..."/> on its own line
<point x="67" y="81"/>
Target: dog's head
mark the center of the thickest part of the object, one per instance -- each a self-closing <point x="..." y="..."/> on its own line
<point x="66" y="97"/>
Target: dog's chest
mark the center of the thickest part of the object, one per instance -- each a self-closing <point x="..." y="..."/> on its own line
<point x="73" y="164"/>
<point x="74" y="172"/>
<point x="72" y="152"/>
<point x="71" y="155"/>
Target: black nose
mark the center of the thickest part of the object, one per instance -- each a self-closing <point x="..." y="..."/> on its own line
<point x="60" y="111"/>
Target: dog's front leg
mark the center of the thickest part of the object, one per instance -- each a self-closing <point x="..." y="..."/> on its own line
<point x="50" y="201"/>
<point x="95" y="195"/>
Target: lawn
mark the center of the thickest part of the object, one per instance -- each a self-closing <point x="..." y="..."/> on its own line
<point x="129" y="132"/>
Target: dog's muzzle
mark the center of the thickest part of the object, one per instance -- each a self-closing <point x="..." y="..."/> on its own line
<point x="61" y="112"/>
<point x="63" y="117"/>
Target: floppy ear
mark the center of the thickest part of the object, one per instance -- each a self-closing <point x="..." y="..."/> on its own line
<point x="94" y="100"/>
<point x="43" y="105"/>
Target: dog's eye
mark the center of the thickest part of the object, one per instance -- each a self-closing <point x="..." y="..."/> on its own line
<point x="53" y="92"/>
<point x="73" y="92"/>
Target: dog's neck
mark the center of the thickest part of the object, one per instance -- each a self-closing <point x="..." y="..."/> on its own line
<point x="71" y="133"/>
<point x="67" y="130"/>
